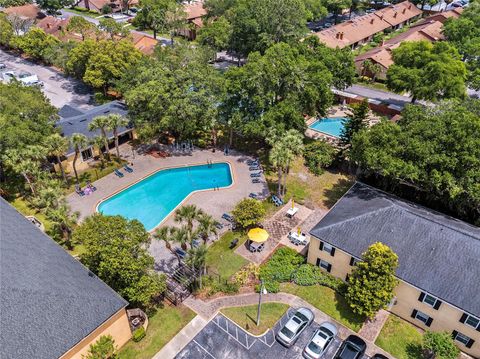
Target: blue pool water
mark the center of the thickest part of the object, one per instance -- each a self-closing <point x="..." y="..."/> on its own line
<point x="332" y="126"/>
<point x="153" y="198"/>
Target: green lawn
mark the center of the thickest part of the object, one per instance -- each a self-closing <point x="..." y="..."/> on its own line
<point x="400" y="338"/>
<point x="328" y="301"/>
<point x="24" y="208"/>
<point x="223" y="260"/>
<point x="162" y="327"/>
<point x="246" y="316"/>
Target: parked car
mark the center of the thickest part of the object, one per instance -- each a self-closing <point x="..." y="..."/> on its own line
<point x="321" y="340"/>
<point x="2" y="66"/>
<point x="352" y="348"/>
<point x="379" y="356"/>
<point x="292" y="329"/>
<point x="328" y="24"/>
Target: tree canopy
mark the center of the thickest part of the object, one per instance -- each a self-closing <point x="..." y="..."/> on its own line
<point x="248" y="212"/>
<point x="115" y="250"/>
<point x="440" y="344"/>
<point x="372" y="281"/>
<point x="435" y="150"/>
<point x="428" y="71"/>
<point x="51" y="6"/>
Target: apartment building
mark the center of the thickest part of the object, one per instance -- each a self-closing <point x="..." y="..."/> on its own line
<point x="439" y="258"/>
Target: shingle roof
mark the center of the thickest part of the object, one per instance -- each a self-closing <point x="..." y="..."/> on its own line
<point x="79" y="123"/>
<point x="48" y="300"/>
<point x="437" y="253"/>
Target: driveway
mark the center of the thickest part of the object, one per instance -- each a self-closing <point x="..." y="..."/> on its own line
<point x="383" y="96"/>
<point x="223" y="339"/>
<point x="59" y="89"/>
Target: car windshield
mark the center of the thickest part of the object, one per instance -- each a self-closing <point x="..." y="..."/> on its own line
<point x="23" y="75"/>
<point x="325" y="333"/>
<point x="301" y="316"/>
<point x="349" y="352"/>
<point x="314" y="348"/>
<point x="287" y="332"/>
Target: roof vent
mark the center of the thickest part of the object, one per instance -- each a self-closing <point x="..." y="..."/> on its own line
<point x="90" y="274"/>
<point x="106" y="111"/>
<point x="83" y="120"/>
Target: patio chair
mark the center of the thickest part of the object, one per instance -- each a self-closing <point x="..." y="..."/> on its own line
<point x="180" y="252"/>
<point x="195" y="243"/>
<point x="79" y="190"/>
<point x="254" y="168"/>
<point x="255" y="180"/>
<point x="253" y="175"/>
<point x="227" y="217"/>
<point x="252" y="162"/>
<point x="233" y="243"/>
<point x="91" y="186"/>
<point x="127" y="168"/>
<point x="219" y="225"/>
<point x="253" y="195"/>
<point x="118" y="173"/>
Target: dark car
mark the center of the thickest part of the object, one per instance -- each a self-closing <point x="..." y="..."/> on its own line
<point x="379" y="356"/>
<point x="352" y="348"/>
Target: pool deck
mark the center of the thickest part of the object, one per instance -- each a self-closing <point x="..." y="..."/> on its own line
<point x="213" y="202"/>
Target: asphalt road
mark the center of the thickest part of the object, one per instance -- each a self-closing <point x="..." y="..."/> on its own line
<point x="58" y="88"/>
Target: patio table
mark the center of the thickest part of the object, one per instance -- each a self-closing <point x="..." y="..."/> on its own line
<point x="292" y="212"/>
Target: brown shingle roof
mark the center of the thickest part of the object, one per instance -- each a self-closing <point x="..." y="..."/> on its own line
<point x="363" y="27"/>
<point x="195" y="10"/>
<point x="144" y="43"/>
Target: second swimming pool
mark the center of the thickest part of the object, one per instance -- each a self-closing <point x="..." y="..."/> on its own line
<point x="332" y="126"/>
<point x="153" y="198"/>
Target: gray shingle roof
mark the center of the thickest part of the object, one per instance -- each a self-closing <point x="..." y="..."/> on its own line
<point x="48" y="300"/>
<point x="437" y="253"/>
<point x="78" y="123"/>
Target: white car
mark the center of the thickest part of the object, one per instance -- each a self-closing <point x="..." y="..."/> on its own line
<point x="292" y="329"/>
<point x="26" y="78"/>
<point x="321" y="340"/>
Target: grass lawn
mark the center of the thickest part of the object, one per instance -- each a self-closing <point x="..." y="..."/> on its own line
<point x="223" y="260"/>
<point x="324" y="190"/>
<point x="328" y="301"/>
<point x="400" y="338"/>
<point x="246" y="316"/>
<point x="83" y="13"/>
<point x="162" y="327"/>
<point x="24" y="208"/>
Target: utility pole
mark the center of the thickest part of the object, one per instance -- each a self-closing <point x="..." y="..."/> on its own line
<point x="262" y="288"/>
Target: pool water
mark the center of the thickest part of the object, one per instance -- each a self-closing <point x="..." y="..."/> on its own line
<point x="332" y="126"/>
<point x="153" y="198"/>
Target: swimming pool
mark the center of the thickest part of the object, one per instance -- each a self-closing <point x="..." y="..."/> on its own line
<point x="332" y="126"/>
<point x="152" y="199"/>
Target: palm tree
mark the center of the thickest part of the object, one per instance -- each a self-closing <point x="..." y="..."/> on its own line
<point x="58" y="146"/>
<point x="98" y="142"/>
<point x="277" y="157"/>
<point x="26" y="161"/>
<point x="187" y="215"/>
<point x="65" y="221"/>
<point x="166" y="234"/>
<point x="78" y="141"/>
<point x="206" y="226"/>
<point x="181" y="236"/>
<point x="196" y="259"/>
<point x="101" y="123"/>
<point x="114" y="122"/>
<point x="293" y="142"/>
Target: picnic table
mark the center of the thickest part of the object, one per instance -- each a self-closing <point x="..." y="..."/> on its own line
<point x="297" y="239"/>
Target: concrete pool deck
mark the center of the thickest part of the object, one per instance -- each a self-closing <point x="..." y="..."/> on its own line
<point x="214" y="202"/>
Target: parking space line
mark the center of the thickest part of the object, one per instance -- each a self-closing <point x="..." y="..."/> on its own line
<point x="205" y="350"/>
<point x="236" y="339"/>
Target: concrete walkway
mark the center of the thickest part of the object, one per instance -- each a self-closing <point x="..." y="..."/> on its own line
<point x="371" y="328"/>
<point x="208" y="309"/>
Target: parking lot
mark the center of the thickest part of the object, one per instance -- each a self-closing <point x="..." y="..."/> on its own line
<point x="221" y="339"/>
<point x="61" y="90"/>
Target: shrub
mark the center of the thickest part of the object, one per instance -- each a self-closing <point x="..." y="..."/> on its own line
<point x="281" y="265"/>
<point x="103" y="348"/>
<point x="318" y="155"/>
<point x="247" y="273"/>
<point x="271" y="286"/>
<point x="138" y="334"/>
<point x="328" y="280"/>
<point x="79" y="8"/>
<point x="440" y="344"/>
<point x="106" y="9"/>
<point x="248" y="212"/>
<point x="215" y="286"/>
<point x="307" y="274"/>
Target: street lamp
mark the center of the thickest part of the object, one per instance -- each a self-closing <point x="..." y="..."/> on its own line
<point x="261" y="291"/>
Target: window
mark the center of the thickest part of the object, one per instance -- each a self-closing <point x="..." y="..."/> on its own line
<point x="429" y="300"/>
<point x="354" y="261"/>
<point x="324" y="264"/>
<point x="87" y="154"/>
<point x="424" y="318"/>
<point x="459" y="337"/>
<point x="471" y="321"/>
<point x="327" y="248"/>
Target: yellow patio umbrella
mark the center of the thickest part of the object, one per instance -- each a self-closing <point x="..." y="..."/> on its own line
<point x="258" y="235"/>
<point x="293" y="203"/>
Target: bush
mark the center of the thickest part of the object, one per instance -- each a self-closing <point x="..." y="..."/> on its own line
<point x="215" y="286"/>
<point x="246" y="274"/>
<point x="79" y="8"/>
<point x="270" y="286"/>
<point x="328" y="280"/>
<point x="440" y="344"/>
<point x="106" y="9"/>
<point x="248" y="212"/>
<point x="318" y="155"/>
<point x="281" y="265"/>
<point x="138" y="334"/>
<point x="307" y="274"/>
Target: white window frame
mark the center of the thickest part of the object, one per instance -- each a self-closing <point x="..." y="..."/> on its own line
<point x="419" y="315"/>
<point x="461" y="337"/>
<point x="435" y="300"/>
<point x="473" y="317"/>
<point x="324" y="262"/>
<point x="327" y="248"/>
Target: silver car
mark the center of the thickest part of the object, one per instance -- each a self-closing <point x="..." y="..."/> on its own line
<point x="321" y="340"/>
<point x="292" y="329"/>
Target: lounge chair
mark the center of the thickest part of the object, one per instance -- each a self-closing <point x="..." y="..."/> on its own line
<point x="233" y="243"/>
<point x="253" y="195"/>
<point x="91" y="186"/>
<point x="180" y="252"/>
<point x="254" y="168"/>
<point x="219" y="225"/>
<point x="79" y="190"/>
<point x="255" y="180"/>
<point x="252" y="162"/>
<point x="118" y="173"/>
<point x="276" y="200"/>
<point x="195" y="243"/>
<point x="127" y="168"/>
<point x="227" y="217"/>
<point x="254" y="175"/>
